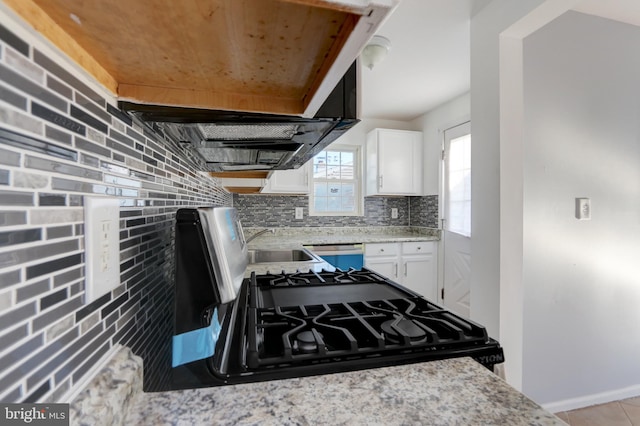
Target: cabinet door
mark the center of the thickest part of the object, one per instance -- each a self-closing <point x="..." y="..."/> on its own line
<point x="294" y="181"/>
<point x="420" y="268"/>
<point x="385" y="266"/>
<point x="418" y="275"/>
<point x="399" y="162"/>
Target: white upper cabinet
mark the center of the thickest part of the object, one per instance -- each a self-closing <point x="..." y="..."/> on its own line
<point x="394" y="162"/>
<point x="295" y="181"/>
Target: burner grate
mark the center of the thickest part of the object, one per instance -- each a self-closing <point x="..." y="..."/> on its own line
<point x="315" y="332"/>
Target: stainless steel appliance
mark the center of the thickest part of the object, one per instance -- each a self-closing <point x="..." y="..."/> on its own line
<point x="283" y="325"/>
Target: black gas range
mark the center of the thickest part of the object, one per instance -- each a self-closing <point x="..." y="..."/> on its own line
<point x="284" y="325"/>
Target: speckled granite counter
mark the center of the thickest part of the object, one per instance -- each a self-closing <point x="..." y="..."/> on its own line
<point x="107" y="398"/>
<point x="293" y="238"/>
<point x="448" y="392"/>
<point x="296" y="237"/>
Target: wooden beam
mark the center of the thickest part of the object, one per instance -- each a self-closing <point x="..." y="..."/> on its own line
<point x="345" y="32"/>
<point x="245" y="174"/>
<point x="243" y="189"/>
<point x="349" y="7"/>
<point x="209" y="99"/>
<point x="42" y="23"/>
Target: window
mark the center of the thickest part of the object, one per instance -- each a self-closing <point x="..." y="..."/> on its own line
<point x="459" y="185"/>
<point x="336" y="183"/>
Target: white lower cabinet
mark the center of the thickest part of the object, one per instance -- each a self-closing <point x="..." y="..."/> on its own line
<point x="412" y="264"/>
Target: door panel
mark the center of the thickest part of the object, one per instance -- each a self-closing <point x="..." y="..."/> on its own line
<point x="457" y="271"/>
<point x="457" y="219"/>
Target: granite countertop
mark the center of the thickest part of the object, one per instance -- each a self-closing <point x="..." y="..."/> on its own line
<point x="448" y="392"/>
<point x="295" y="238"/>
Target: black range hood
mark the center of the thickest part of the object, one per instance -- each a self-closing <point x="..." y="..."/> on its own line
<point x="232" y="141"/>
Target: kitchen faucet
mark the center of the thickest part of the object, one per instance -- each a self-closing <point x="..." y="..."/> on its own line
<point x="257" y="234"/>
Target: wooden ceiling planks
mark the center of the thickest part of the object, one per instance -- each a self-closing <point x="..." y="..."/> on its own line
<point x="240" y="55"/>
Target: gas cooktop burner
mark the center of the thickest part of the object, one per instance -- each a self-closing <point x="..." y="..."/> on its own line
<point x="306" y="342"/>
<point x="401" y="330"/>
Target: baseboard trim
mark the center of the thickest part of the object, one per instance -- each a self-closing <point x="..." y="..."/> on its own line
<point x="598" y="398"/>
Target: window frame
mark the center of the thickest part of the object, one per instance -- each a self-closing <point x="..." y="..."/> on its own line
<point x="357" y="181"/>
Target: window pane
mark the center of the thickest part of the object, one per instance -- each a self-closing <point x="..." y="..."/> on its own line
<point x="456" y="155"/>
<point x="348" y="190"/>
<point x="320" y="204"/>
<point x="333" y="172"/>
<point x="347" y="158"/>
<point x="320" y="158"/>
<point x="456" y="185"/>
<point x="335" y="189"/>
<point x="320" y="189"/>
<point x="335" y="182"/>
<point x="348" y="204"/>
<point x="334" y="204"/>
<point x="333" y="157"/>
<point x="320" y="165"/>
<point x="346" y="172"/>
<point x="467" y="184"/>
<point x="459" y="185"/>
<point x="319" y="171"/>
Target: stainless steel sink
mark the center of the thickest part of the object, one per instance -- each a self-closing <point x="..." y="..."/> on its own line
<point x="271" y="256"/>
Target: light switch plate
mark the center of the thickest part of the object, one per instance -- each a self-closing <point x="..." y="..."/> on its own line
<point x="394" y="213"/>
<point x="299" y="213"/>
<point x="583" y="208"/>
<point x="101" y="241"/>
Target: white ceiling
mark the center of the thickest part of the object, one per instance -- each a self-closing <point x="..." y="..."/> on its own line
<point x="428" y="63"/>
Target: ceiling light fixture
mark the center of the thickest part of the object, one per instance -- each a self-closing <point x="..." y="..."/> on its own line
<point x="375" y="51"/>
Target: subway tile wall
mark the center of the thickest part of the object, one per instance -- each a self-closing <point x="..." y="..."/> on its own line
<point x="61" y="141"/>
<point x="279" y="211"/>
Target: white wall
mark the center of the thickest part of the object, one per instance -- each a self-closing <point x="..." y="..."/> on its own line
<point x="486" y="27"/>
<point x="432" y="124"/>
<point x="581" y="278"/>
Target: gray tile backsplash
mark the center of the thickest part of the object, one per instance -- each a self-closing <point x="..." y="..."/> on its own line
<point x="279" y="211"/>
<point x="59" y="141"/>
<point x="424" y="211"/>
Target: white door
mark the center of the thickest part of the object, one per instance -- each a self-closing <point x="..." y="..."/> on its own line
<point x="457" y="219"/>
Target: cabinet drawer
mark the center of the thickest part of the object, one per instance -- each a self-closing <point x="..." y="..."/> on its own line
<point x="383" y="249"/>
<point x="417" y="247"/>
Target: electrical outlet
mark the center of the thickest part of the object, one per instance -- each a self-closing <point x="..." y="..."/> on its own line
<point x="299" y="213"/>
<point x="583" y="208"/>
<point x="102" y="246"/>
<point x="394" y="213"/>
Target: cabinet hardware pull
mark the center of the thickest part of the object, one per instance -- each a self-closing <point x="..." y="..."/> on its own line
<point x="405" y="269"/>
<point x="396" y="273"/>
<point x="381" y="182"/>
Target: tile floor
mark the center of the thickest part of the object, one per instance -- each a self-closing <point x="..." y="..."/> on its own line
<point x="618" y="413"/>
